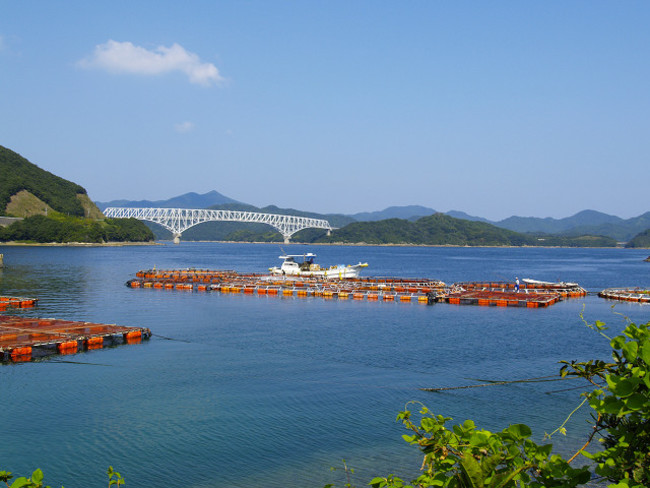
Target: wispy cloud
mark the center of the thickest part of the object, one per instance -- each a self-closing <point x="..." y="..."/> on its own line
<point x="125" y="57"/>
<point x="184" y="127"/>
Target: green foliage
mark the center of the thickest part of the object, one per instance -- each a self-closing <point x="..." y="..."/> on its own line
<point x="443" y="230"/>
<point x="574" y="241"/>
<point x="465" y="456"/>
<point x="245" y="235"/>
<point x="36" y="481"/>
<point x="61" y="228"/>
<point x="435" y="230"/>
<point x="19" y="174"/>
<point x="640" y="240"/>
<point x="621" y="406"/>
<point x="114" y="478"/>
<point x="127" y="230"/>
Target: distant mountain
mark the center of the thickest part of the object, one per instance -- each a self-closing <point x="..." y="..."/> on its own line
<point x="442" y="230"/>
<point x="437" y="229"/>
<point x="407" y="212"/>
<point x="585" y="222"/>
<point x="187" y="200"/>
<point x="462" y="215"/>
<point x="586" y="218"/>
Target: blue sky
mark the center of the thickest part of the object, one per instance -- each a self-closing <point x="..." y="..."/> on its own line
<point x="493" y="108"/>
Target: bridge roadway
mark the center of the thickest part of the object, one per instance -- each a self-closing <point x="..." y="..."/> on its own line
<point x="178" y="220"/>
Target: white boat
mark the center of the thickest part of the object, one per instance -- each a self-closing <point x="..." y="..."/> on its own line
<point x="303" y="265"/>
<point x="550" y="284"/>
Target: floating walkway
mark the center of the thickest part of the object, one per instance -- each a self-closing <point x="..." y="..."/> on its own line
<point x="626" y="294"/>
<point x="24" y="339"/>
<point x="373" y="289"/>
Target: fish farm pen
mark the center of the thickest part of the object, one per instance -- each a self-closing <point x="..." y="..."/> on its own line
<point x="531" y="295"/>
<point x="16" y="302"/>
<point x="626" y="294"/>
<point x="24" y="339"/>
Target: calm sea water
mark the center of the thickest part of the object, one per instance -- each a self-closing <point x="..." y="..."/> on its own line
<point x="247" y="391"/>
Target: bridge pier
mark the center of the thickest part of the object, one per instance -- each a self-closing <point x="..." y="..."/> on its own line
<point x="177" y="238"/>
<point x="287" y="239"/>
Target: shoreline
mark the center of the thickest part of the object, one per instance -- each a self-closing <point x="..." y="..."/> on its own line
<point x="403" y="245"/>
<point x="163" y="242"/>
<point x="79" y="244"/>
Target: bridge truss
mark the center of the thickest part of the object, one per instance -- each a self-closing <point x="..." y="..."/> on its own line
<point x="178" y="220"/>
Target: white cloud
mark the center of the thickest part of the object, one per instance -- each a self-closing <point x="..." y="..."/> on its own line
<point x="184" y="127"/>
<point x="124" y="57"/>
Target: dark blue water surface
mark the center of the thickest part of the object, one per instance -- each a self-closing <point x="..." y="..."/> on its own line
<point x="272" y="392"/>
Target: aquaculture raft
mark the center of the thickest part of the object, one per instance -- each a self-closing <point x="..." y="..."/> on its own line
<point x="16" y="302"/>
<point x="374" y="289"/>
<point x="505" y="294"/>
<point x="420" y="290"/>
<point x="565" y="290"/>
<point x="502" y="298"/>
<point x="22" y="339"/>
<point x="626" y="294"/>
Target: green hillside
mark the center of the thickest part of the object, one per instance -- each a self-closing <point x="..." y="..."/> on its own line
<point x="640" y="240"/>
<point x="19" y="174"/>
<point x="42" y="229"/>
<point x="434" y="230"/>
<point x="443" y="230"/>
<point x="55" y="209"/>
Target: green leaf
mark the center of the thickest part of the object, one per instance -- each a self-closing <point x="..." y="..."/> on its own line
<point x="37" y="476"/>
<point x="544" y="451"/>
<point x="617" y="342"/>
<point x="636" y="401"/>
<point x="622" y="387"/>
<point x="489" y="464"/>
<point x="644" y="353"/>
<point x="611" y="405"/>
<point x="631" y="350"/>
<point x="519" y="431"/>
<point x="20" y="482"/>
<point x="472" y="470"/>
<point x="5" y="476"/>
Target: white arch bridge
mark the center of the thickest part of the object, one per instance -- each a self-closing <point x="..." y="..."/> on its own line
<point x="178" y="220"/>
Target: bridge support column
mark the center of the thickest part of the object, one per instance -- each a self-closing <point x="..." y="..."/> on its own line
<point x="286" y="239"/>
<point x="177" y="238"/>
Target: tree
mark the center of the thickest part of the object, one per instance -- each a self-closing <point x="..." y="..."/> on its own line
<point x="468" y="457"/>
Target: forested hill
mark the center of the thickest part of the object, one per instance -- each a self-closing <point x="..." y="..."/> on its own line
<point x="52" y="209"/>
<point x="18" y="174"/>
<point x="441" y="230"/>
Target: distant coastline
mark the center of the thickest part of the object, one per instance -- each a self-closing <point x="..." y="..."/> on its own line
<point x="278" y="243"/>
<point x="79" y="244"/>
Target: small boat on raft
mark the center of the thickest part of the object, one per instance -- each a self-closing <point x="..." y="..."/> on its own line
<point x="303" y="265"/>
